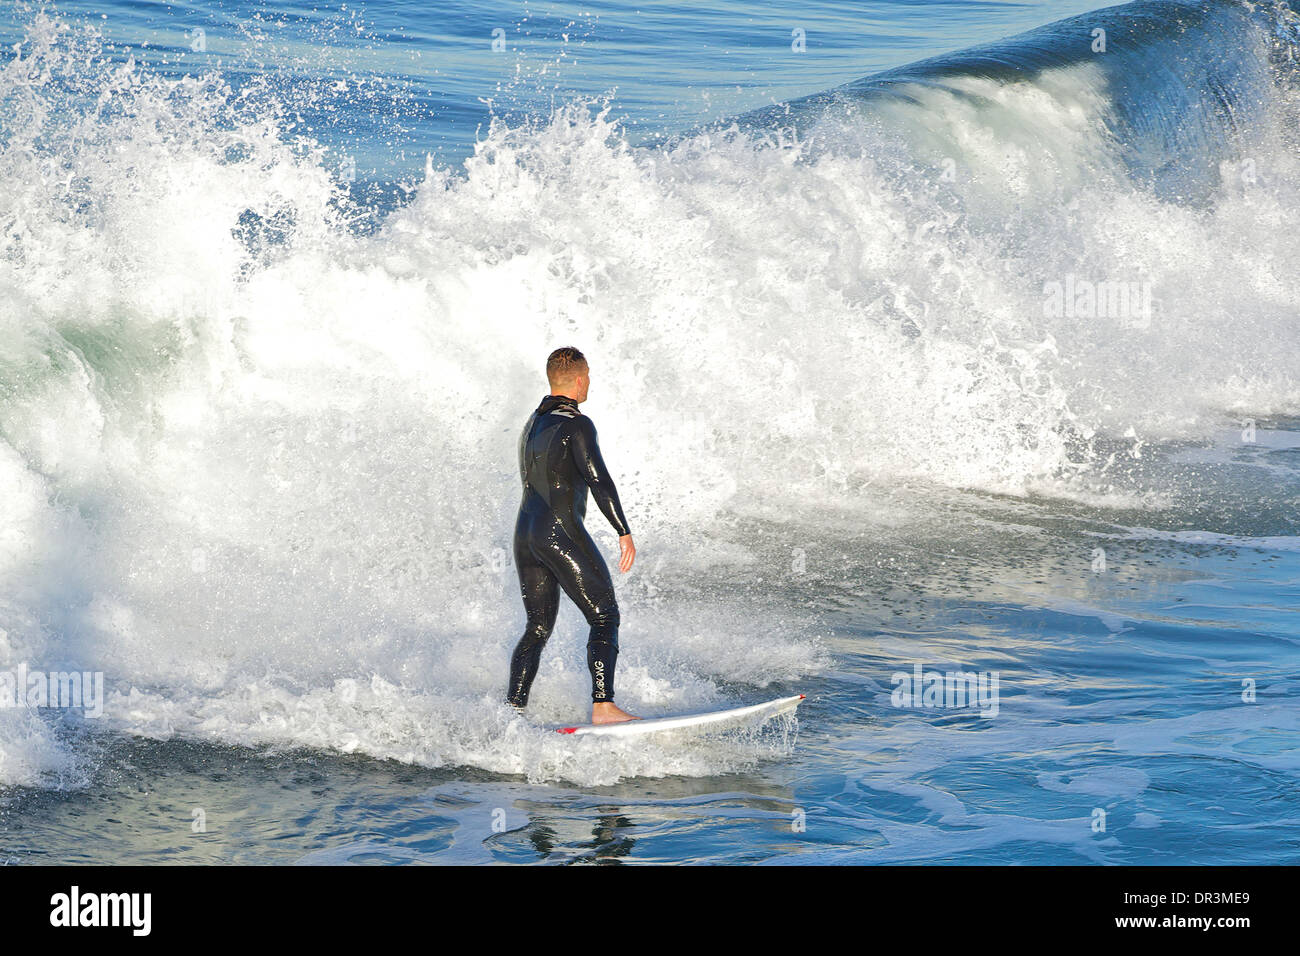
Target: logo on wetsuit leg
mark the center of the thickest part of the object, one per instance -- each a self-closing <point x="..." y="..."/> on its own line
<point x="600" y="677"/>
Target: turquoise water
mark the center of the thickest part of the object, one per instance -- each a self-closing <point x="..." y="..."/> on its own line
<point x="272" y="315"/>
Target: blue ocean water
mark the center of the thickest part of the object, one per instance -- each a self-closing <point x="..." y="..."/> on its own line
<point x="929" y="341"/>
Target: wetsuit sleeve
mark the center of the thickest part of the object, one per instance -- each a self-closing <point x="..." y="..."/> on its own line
<point x="586" y="455"/>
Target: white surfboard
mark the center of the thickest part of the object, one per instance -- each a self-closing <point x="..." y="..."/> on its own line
<point x="718" y="719"/>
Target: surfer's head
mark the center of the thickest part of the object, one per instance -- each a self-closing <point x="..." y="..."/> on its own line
<point x="567" y="371"/>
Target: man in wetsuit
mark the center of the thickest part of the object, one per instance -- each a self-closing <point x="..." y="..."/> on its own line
<point x="559" y="461"/>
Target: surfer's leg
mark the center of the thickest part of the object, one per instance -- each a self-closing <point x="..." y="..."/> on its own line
<point x="541" y="593"/>
<point x="602" y="640"/>
<point x="582" y="572"/>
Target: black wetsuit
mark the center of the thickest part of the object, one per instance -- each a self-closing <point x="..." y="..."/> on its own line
<point x="558" y="461"/>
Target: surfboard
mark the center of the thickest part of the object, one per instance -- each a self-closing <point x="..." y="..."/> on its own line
<point x="699" y="723"/>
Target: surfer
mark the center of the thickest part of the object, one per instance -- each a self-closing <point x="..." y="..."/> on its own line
<point x="559" y="461"/>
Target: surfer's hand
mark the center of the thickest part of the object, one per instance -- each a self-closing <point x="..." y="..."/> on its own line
<point x="626" y="553"/>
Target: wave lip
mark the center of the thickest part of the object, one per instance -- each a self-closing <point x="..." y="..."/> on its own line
<point x="1177" y="86"/>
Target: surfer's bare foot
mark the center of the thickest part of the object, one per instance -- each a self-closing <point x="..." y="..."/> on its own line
<point x="607" y="712"/>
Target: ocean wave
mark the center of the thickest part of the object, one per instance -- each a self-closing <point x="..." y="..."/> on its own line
<point x="248" y="441"/>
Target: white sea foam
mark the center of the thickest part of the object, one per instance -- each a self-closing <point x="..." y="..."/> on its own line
<point x="258" y="467"/>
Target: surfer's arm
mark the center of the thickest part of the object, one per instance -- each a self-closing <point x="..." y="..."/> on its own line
<point x="586" y="455"/>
